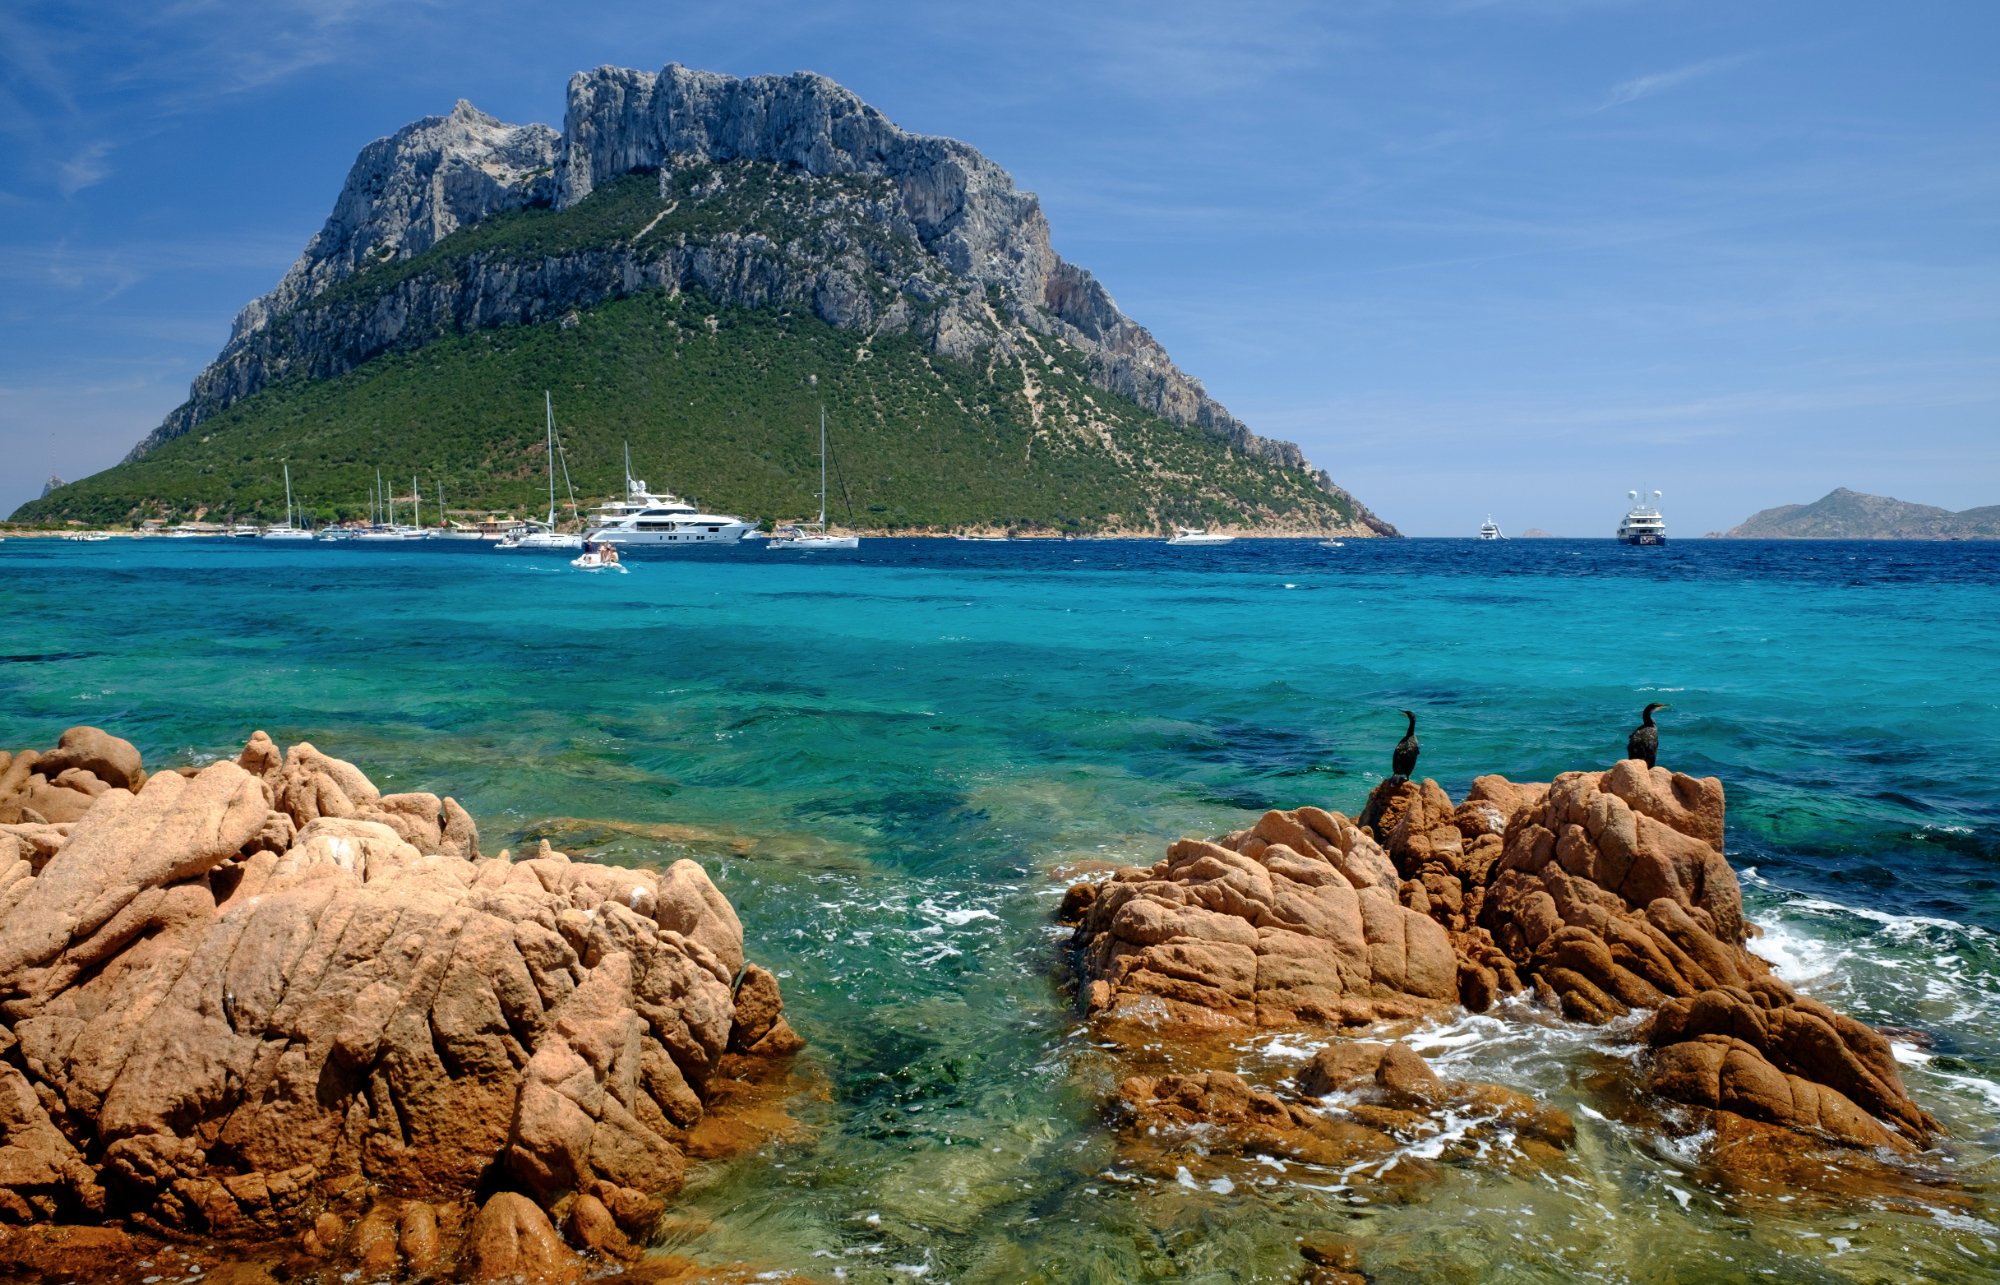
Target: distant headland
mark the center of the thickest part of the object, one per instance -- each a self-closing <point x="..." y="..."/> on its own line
<point x="1842" y="514"/>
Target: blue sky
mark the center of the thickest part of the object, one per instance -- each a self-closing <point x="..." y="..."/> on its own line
<point x="1507" y="256"/>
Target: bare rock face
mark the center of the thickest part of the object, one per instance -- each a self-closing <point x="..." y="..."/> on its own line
<point x="227" y="995"/>
<point x="58" y="786"/>
<point x="1608" y="892"/>
<point x="1293" y="921"/>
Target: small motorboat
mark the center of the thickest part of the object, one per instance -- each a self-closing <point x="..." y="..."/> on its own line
<point x="1332" y="544"/>
<point x="599" y="557"/>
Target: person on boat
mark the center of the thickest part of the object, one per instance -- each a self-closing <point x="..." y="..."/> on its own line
<point x="610" y="552"/>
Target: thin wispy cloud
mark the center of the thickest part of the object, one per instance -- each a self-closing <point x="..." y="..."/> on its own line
<point x="86" y="168"/>
<point x="1659" y="82"/>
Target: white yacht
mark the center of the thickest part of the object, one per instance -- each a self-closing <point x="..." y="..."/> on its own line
<point x="811" y="535"/>
<point x="1643" y="523"/>
<point x="543" y="535"/>
<point x="644" y="517"/>
<point x="1199" y="535"/>
<point x="287" y="531"/>
<point x="1490" y="530"/>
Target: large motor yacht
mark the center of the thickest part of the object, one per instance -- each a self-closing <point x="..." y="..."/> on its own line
<point x="1643" y="523"/>
<point x="643" y="517"/>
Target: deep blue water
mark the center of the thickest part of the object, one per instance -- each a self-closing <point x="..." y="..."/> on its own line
<point x="889" y="757"/>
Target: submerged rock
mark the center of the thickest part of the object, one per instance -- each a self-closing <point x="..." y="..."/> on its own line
<point x="227" y="999"/>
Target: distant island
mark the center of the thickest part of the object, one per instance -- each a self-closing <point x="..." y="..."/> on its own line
<point x="1842" y="514"/>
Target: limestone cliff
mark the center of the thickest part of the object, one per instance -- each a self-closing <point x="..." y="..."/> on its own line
<point x="904" y="233"/>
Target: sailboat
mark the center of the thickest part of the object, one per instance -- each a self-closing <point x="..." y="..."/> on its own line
<point x="813" y="535"/>
<point x="378" y="529"/>
<point x="287" y="531"/>
<point x="543" y="535"/>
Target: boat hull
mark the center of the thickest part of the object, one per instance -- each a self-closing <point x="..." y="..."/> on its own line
<point x="816" y="542"/>
<point x="543" y="540"/>
<point x="685" y="534"/>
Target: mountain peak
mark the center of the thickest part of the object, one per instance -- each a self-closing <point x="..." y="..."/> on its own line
<point x="904" y="233"/>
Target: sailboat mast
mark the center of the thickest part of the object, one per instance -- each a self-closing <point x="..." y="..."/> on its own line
<point x="416" y="503"/>
<point x="822" y="466"/>
<point x="548" y="404"/>
<point x="288" y="495"/>
<point x="442" y="524"/>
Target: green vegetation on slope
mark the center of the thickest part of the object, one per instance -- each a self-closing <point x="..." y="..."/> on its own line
<point x="719" y="404"/>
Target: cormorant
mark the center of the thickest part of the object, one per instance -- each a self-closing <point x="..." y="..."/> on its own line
<point x="1644" y="742"/>
<point x="1405" y="760"/>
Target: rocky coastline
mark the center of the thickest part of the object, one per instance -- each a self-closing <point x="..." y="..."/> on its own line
<point x="261" y="1022"/>
<point x="263" y="1006"/>
<point x="1602" y="897"/>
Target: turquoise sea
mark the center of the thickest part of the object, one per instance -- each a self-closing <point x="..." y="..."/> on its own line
<point x="891" y="759"/>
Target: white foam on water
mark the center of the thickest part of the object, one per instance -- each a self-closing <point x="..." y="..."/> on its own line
<point x="1975" y="1086"/>
<point x="1899" y="925"/>
<point x="1796" y="957"/>
<point x="1279" y="1047"/>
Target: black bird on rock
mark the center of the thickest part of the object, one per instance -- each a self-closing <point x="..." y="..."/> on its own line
<point x="1644" y="742"/>
<point x="1405" y="760"/>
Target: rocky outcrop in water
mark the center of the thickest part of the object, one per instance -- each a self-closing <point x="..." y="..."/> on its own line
<point x="1608" y="892"/>
<point x="980" y="281"/>
<point x="1294" y="920"/>
<point x="262" y="996"/>
<point x="1599" y="894"/>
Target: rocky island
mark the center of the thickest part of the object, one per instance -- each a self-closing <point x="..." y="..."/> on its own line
<point x="262" y="1004"/>
<point x="698" y="262"/>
